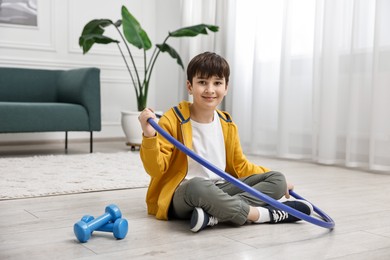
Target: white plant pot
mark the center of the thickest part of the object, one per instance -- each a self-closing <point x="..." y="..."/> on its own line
<point x="132" y="128"/>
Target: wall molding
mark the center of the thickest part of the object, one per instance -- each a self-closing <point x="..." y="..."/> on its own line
<point x="49" y="63"/>
<point x="30" y="46"/>
<point x="48" y="21"/>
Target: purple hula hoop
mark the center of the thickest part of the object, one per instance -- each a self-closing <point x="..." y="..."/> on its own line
<point x="326" y="222"/>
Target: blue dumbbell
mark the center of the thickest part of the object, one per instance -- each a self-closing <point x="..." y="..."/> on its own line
<point x="84" y="230"/>
<point x="119" y="228"/>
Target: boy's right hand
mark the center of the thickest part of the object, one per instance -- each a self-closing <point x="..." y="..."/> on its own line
<point x="147" y="129"/>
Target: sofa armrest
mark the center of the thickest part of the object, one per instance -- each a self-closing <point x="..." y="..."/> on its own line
<point x="82" y="86"/>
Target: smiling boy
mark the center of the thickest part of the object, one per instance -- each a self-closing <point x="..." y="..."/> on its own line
<point x="182" y="188"/>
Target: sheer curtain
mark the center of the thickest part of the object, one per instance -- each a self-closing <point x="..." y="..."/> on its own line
<point x="310" y="79"/>
<point x="208" y="12"/>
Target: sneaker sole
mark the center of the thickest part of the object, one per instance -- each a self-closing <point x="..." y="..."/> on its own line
<point x="200" y="221"/>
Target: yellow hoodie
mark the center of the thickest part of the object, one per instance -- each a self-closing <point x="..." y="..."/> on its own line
<point x="167" y="165"/>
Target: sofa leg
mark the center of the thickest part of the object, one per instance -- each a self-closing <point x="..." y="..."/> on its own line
<point x="66" y="141"/>
<point x="91" y="142"/>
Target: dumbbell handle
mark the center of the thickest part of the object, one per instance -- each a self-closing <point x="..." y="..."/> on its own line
<point x="112" y="213"/>
<point x="99" y="221"/>
<point x="109" y="227"/>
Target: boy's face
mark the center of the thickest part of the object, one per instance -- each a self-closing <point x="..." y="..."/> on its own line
<point x="207" y="92"/>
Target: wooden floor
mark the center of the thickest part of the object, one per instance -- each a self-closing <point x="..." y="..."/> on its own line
<point x="42" y="228"/>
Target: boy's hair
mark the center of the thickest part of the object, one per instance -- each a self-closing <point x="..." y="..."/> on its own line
<point x="206" y="65"/>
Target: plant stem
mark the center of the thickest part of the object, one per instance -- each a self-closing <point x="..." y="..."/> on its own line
<point x="144" y="89"/>
<point x="128" y="68"/>
<point x="132" y="61"/>
<point x="151" y="64"/>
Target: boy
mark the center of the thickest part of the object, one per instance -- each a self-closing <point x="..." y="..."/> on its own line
<point x="182" y="188"/>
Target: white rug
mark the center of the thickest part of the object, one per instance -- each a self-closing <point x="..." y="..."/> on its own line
<point x="26" y="177"/>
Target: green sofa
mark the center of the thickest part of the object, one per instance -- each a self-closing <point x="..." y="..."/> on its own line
<point x="40" y="100"/>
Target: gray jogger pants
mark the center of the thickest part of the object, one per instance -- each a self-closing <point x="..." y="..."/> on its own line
<point x="225" y="201"/>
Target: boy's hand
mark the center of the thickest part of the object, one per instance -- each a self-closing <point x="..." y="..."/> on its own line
<point x="147" y="128"/>
<point x="290" y="186"/>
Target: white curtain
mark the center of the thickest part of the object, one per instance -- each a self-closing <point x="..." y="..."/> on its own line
<point x="310" y="79"/>
<point x="207" y="12"/>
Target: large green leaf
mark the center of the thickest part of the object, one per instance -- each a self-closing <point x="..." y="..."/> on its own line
<point x="166" y="48"/>
<point x="195" y="30"/>
<point x="89" y="40"/>
<point x="93" y="33"/>
<point x="133" y="31"/>
<point x="96" y="26"/>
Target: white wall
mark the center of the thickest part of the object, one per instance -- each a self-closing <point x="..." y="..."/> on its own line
<point x="53" y="44"/>
<point x="167" y="80"/>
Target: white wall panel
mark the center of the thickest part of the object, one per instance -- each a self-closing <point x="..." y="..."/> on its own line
<point x="41" y="37"/>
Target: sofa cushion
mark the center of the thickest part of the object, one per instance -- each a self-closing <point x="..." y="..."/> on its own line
<point x="42" y="117"/>
<point x="28" y="85"/>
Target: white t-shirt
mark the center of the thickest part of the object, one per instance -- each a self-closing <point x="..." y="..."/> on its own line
<point x="208" y="143"/>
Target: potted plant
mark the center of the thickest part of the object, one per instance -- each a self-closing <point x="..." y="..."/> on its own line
<point x="133" y="34"/>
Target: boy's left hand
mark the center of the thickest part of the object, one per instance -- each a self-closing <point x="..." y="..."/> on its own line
<point x="290" y="186"/>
